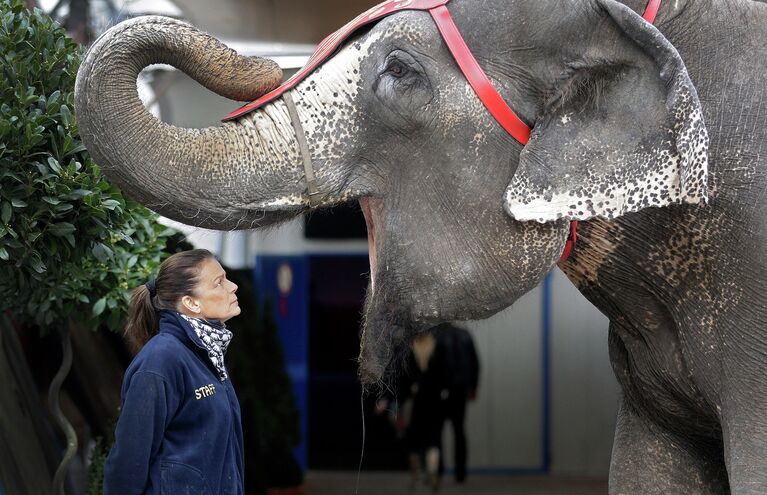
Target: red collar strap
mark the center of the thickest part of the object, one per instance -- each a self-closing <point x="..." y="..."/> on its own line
<point x="471" y="69"/>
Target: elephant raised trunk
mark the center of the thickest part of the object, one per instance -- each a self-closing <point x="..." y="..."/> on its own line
<point x="206" y="177"/>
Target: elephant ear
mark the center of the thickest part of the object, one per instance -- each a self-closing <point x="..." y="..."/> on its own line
<point x="623" y="132"/>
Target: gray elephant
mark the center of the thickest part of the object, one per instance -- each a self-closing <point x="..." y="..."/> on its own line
<point x="653" y="137"/>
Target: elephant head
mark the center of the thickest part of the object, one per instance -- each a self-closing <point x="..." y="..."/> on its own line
<point x="462" y="219"/>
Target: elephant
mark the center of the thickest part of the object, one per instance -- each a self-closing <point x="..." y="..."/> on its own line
<point x="651" y="136"/>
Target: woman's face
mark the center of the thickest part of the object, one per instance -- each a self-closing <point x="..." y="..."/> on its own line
<point x="214" y="296"/>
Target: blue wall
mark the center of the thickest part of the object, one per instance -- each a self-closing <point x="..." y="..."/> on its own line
<point x="291" y="315"/>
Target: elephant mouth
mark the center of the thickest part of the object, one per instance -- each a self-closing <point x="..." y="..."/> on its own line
<point x="372" y="209"/>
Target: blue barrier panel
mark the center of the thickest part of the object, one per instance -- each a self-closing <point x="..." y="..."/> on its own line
<point x="284" y="280"/>
<point x="546" y="370"/>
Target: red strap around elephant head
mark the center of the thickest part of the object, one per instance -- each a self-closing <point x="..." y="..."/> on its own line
<point x="329" y="45"/>
<point x="468" y="64"/>
<point x="651" y="11"/>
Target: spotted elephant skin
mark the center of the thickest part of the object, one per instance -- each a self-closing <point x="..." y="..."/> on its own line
<point x="652" y="137"/>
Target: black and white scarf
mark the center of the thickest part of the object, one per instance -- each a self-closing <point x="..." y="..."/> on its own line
<point x="215" y="337"/>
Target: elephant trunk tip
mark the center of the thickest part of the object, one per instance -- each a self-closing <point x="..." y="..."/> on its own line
<point x="248" y="78"/>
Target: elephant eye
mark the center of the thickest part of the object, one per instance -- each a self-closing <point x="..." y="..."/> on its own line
<point x="396" y="68"/>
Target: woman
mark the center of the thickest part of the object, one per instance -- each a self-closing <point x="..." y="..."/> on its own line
<point x="179" y="430"/>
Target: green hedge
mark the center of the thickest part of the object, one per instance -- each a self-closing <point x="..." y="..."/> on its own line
<point x="70" y="244"/>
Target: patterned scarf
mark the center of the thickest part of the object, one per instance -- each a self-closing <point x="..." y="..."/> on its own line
<point x="215" y="337"/>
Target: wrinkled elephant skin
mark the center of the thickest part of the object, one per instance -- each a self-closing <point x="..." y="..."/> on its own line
<point x="653" y="137"/>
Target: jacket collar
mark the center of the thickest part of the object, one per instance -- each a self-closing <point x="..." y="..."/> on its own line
<point x="172" y="323"/>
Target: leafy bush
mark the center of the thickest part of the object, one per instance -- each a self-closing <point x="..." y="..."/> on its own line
<point x="95" y="472"/>
<point x="70" y="244"/>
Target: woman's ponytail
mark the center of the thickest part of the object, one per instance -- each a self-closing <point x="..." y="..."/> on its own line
<point x="143" y="319"/>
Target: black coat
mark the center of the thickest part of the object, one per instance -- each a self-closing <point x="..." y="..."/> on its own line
<point x="458" y="358"/>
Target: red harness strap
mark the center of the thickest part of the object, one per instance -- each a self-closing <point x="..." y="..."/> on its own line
<point x="471" y="69"/>
<point x="484" y="89"/>
<point x="651" y="11"/>
<point x="477" y="77"/>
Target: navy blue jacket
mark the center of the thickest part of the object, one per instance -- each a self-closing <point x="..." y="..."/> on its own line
<point x="179" y="431"/>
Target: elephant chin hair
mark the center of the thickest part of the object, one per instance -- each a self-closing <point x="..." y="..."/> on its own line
<point x="378" y="375"/>
<point x="384" y="347"/>
<point x="379" y="371"/>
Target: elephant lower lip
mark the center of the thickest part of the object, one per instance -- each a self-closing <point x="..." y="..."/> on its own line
<point x="371" y="209"/>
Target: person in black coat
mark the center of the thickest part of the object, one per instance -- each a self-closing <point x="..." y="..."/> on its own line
<point x="443" y="374"/>
<point x="461" y="377"/>
<point x="461" y="381"/>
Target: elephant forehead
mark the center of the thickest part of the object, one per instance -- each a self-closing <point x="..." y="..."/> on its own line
<point x="327" y="97"/>
<point x="412" y="27"/>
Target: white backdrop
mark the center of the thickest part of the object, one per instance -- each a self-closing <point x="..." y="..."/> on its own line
<point x="505" y="425"/>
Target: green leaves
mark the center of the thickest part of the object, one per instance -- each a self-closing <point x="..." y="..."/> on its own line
<point x="54" y="164"/>
<point x="66" y="115"/>
<point x="98" y="308"/>
<point x="67" y="236"/>
<point x="5" y="212"/>
<point x="61" y="229"/>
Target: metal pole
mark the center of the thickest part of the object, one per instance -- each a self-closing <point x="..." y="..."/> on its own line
<point x="64" y="424"/>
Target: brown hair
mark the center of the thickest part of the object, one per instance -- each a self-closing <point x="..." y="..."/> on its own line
<point x="176" y="278"/>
